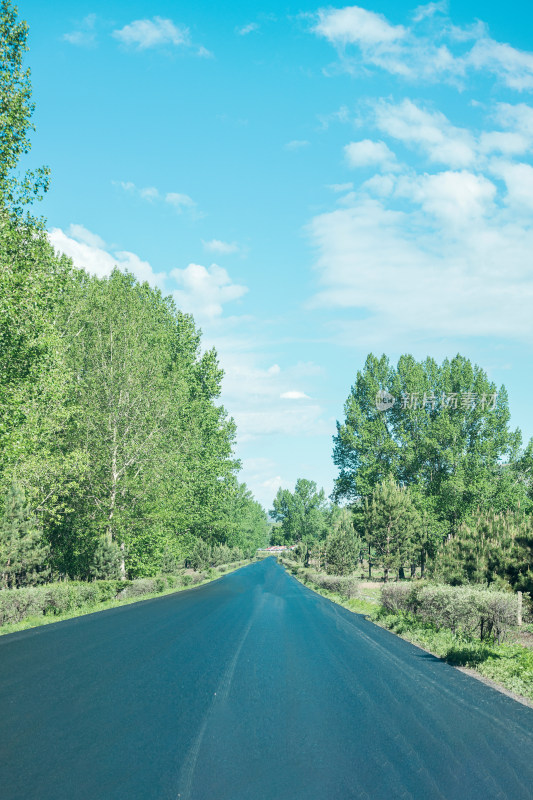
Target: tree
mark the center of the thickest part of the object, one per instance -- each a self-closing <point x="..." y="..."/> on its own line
<point x="33" y="288"/>
<point x="392" y="524"/>
<point x="106" y="561"/>
<point x="343" y="545"/>
<point x="16" y="110"/>
<point x="301" y="513"/>
<point x="23" y="553"/>
<point x="488" y="548"/>
<point x="446" y="435"/>
<point x="245" y="521"/>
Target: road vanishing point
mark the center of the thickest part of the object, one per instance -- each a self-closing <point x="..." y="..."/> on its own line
<point x="251" y="687"/>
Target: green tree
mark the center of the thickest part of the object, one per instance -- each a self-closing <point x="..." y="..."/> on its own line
<point x="444" y="436"/>
<point x="488" y="548"/>
<point x="16" y="111"/>
<point x="343" y="545"/>
<point x="302" y="513"/>
<point x="392" y="524"/>
<point x="246" y="523"/>
<point x="23" y="553"/>
<point x="106" y="561"/>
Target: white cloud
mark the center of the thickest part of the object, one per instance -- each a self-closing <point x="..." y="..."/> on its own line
<point x="430" y="131"/>
<point x="506" y="142"/>
<point x="89" y="252"/>
<point x="179" y="201"/>
<point x="128" y="186"/>
<point x="422" y="51"/>
<point x="519" y="182"/>
<point x="353" y="24"/>
<point x="294" y="395"/>
<point x="513" y="67"/>
<point x="367" y="153"/>
<point x="81" y="234"/>
<point x="150" y="193"/>
<point x="429" y="10"/>
<point x="147" y="33"/>
<point x="518" y="117"/>
<point x="297" y="144"/>
<point x="220" y="247"/>
<point x="246" y="29"/>
<point x="204" y="291"/>
<point x="412" y="280"/>
<point x="457" y="198"/>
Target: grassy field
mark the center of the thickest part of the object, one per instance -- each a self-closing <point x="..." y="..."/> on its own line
<point x="509" y="665"/>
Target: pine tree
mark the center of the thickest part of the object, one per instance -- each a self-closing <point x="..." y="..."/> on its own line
<point x="23" y="552"/>
<point x="106" y="561"/>
<point x="391" y="522"/>
<point x="343" y="547"/>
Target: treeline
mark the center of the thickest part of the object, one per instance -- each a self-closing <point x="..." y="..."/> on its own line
<point x="116" y="457"/>
<point x="431" y="476"/>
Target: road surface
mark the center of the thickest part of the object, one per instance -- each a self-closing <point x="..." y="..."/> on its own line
<point x="248" y="688"/>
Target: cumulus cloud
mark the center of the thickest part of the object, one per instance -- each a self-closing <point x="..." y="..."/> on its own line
<point x="294" y="394"/>
<point x="430" y="131"/>
<point x="455" y="198"/>
<point x="513" y="67"/>
<point x="367" y="153"/>
<point x="89" y="252"/>
<point x="205" y="290"/>
<point x="179" y="201"/>
<point x="355" y="25"/>
<point x="148" y="33"/>
<point x="202" y="291"/>
<point x="519" y="183"/>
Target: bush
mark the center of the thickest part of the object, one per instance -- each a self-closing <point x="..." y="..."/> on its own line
<point x="344" y="585"/>
<point x="16" y="604"/>
<point x="461" y="609"/>
<point x="395" y="597"/>
<point x="200" y="555"/>
<point x="141" y="586"/>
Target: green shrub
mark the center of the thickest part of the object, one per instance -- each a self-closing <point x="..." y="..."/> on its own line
<point x="16" y="604"/>
<point x="462" y="609"/>
<point x="395" y="596"/>
<point x="139" y="587"/>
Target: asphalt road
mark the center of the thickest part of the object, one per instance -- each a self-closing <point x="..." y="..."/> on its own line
<point x="248" y="688"/>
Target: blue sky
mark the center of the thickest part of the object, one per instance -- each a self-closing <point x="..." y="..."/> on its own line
<point x="313" y="183"/>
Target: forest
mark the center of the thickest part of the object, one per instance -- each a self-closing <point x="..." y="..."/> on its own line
<point x="116" y="456"/>
<point x="434" y="484"/>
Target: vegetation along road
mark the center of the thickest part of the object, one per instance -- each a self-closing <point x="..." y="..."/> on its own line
<point x="252" y="687"/>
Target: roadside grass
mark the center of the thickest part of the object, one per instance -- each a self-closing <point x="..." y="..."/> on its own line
<point x="35" y="621"/>
<point x="510" y="664"/>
